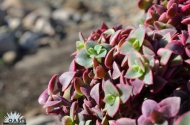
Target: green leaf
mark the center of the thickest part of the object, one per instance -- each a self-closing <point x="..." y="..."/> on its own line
<point x="84" y="59"/>
<point x="134" y="43"/>
<point x="184" y="119"/>
<point x="132" y="73"/>
<point x="90" y="44"/>
<point x="126" y="48"/>
<point x="147" y="77"/>
<point x="134" y="55"/>
<point x="88" y="122"/>
<point x="109" y="99"/>
<point x="139" y="62"/>
<point x="98" y="48"/>
<point x="109" y="31"/>
<point x="112" y="109"/>
<point x="66" y="120"/>
<point x="79" y="45"/>
<point x="103" y="53"/>
<point x="165" y="55"/>
<point x="140" y="34"/>
<point x="109" y="88"/>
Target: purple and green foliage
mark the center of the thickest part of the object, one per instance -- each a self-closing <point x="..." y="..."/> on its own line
<point x="128" y="76"/>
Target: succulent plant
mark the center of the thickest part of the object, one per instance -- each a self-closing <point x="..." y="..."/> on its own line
<point x="128" y="76"/>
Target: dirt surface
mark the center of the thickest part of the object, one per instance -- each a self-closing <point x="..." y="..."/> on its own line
<point x="22" y="83"/>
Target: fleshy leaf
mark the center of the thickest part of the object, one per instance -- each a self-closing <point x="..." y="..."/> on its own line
<point x="109" y="88"/>
<point x="148" y="106"/>
<point x="173" y="105"/>
<point x="132" y="73"/>
<point x="147" y="51"/>
<point x="126" y="121"/>
<point x="147" y="77"/>
<point x="79" y="45"/>
<point x="95" y="93"/>
<point x="77" y="84"/>
<point x="88" y="122"/>
<point x="184" y="119"/>
<point x="116" y="71"/>
<point x="165" y="55"/>
<point x="140" y="34"/>
<point x="109" y="99"/>
<point x="84" y="59"/>
<point x="66" y="120"/>
<point x="51" y="84"/>
<point x="113" y="39"/>
<point x="109" y="31"/>
<point x="65" y="79"/>
<point x="132" y="56"/>
<point x="43" y="97"/>
<point x="175" y="60"/>
<point x="165" y="40"/>
<point x="112" y="109"/>
<point x="81" y="38"/>
<point x="137" y="86"/>
<point x="125" y="92"/>
<point x="159" y="83"/>
<point x="73" y="110"/>
<point x="109" y="59"/>
<point x="100" y="72"/>
<point x="52" y="103"/>
<point x="126" y="48"/>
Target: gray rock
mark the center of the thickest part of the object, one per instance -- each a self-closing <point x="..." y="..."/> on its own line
<point x="43" y="12"/>
<point x="62" y="16"/>
<point x="28" y="42"/>
<point x="6" y="43"/>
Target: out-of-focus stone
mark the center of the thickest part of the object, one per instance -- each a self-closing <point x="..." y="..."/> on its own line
<point x="14" y="23"/>
<point x="43" y="12"/>
<point x="29" y="20"/>
<point x="28" y="42"/>
<point x="6" y="43"/>
<point x="9" y="57"/>
<point x="43" y="25"/>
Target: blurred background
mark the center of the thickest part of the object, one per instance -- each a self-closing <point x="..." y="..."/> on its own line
<point x="36" y="40"/>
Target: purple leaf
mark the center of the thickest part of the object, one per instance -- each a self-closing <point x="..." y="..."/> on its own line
<point x="125" y="92"/>
<point x="185" y="10"/>
<point x="43" y="97"/>
<point x="100" y="72"/>
<point x="172" y="104"/>
<point x="95" y="93"/>
<point x="85" y="89"/>
<point x="51" y="84"/>
<point x="109" y="59"/>
<point x="112" y="109"/>
<point x="73" y="110"/>
<point x="126" y="121"/>
<point x="86" y="78"/>
<point x="176" y="20"/>
<point x="81" y="37"/>
<point x="116" y="71"/>
<point x="65" y="79"/>
<point x="159" y="83"/>
<point x="148" y="106"/>
<point x="172" y="10"/>
<point x="72" y="67"/>
<point x="52" y="103"/>
<point x="186" y="21"/>
<point x="159" y="9"/>
<point x="114" y="38"/>
<point x="137" y="86"/>
<point x="125" y="61"/>
<point x="176" y="47"/>
<point x="77" y="84"/>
